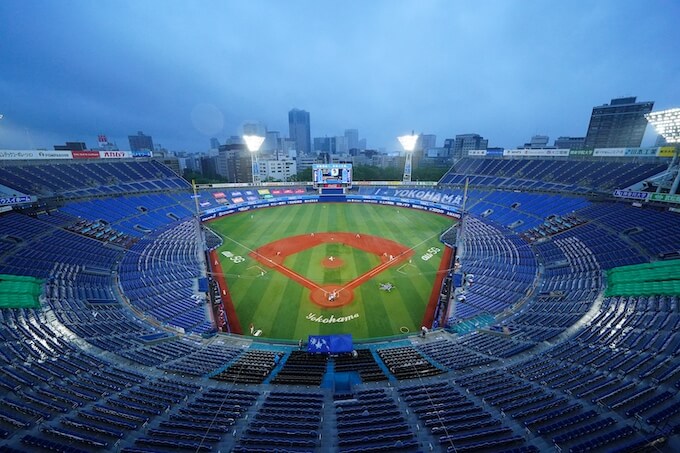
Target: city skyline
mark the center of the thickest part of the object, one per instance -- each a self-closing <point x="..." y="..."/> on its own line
<point x="384" y="68"/>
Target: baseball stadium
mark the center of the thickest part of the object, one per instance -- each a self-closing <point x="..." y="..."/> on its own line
<point x="523" y="302"/>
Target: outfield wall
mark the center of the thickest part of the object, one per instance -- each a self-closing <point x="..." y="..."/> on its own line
<point x="428" y="206"/>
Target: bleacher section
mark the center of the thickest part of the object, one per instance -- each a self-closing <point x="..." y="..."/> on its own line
<point x="569" y="176"/>
<point x="504" y="269"/>
<point x="543" y="360"/>
<point x="90" y="178"/>
<point x="159" y="276"/>
<point x="134" y="215"/>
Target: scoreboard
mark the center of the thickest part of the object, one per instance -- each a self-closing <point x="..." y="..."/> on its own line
<point x="332" y="175"/>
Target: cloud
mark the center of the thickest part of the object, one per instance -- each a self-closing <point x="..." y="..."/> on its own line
<point x="183" y="72"/>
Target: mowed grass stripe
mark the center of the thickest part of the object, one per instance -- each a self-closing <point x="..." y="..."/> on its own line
<point x="284" y="309"/>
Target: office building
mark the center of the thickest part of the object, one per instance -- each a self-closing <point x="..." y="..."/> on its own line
<point x="255" y="128"/>
<point x="426" y="141"/>
<point x="140" y="142"/>
<point x="277" y="169"/>
<point x="570" y="142"/>
<point x="234" y="163"/>
<point x="352" y="138"/>
<point x="619" y="124"/>
<point x="464" y="143"/>
<point x="71" y="146"/>
<point x="537" y="142"/>
<point x="271" y="142"/>
<point x="299" y="130"/>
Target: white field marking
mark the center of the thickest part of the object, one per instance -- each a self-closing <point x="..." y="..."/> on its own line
<point x="240" y="244"/>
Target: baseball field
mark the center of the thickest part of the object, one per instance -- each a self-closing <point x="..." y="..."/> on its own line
<point x="329" y="268"/>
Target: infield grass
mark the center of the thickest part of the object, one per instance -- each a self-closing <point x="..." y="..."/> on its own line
<point x="282" y="308"/>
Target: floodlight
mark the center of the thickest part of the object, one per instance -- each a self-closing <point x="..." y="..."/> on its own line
<point x="408" y="142"/>
<point x="253" y="142"/>
<point x="666" y="123"/>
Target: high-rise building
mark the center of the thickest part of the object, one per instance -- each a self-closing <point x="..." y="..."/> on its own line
<point x="352" y="138"/>
<point x="271" y="142"/>
<point x="426" y="141"/>
<point x="140" y="142"/>
<point x="621" y="123"/>
<point x="234" y="163"/>
<point x="339" y="145"/>
<point x="570" y="142"/>
<point x="537" y="142"/>
<point x="464" y="143"/>
<point x="255" y="128"/>
<point x="322" y="144"/>
<point x="299" y="130"/>
<point x="71" y="146"/>
<point x="214" y="143"/>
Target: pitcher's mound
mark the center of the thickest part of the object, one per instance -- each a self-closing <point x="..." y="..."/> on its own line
<point x="332" y="262"/>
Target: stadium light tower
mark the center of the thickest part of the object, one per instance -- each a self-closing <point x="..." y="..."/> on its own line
<point x="253" y="142"/>
<point x="408" y="142"/>
<point x="667" y="124"/>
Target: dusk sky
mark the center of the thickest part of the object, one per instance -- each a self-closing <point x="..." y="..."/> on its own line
<point x="185" y="71"/>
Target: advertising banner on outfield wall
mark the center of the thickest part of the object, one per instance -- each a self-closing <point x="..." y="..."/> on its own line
<point x="221" y="211"/>
<point x="476" y="152"/>
<point x="632" y="194"/>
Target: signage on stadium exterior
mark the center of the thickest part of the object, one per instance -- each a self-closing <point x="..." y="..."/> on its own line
<point x="33" y="155"/>
<point x="666" y="151"/>
<point x="85" y="154"/>
<point x="609" y="152"/>
<point x="550" y="152"/>
<point x="631" y="152"/>
<point x="634" y="194"/>
<point x="665" y="197"/>
<point x="115" y="154"/>
<point x="8" y="154"/>
<point x="642" y="152"/>
<point x="15" y="200"/>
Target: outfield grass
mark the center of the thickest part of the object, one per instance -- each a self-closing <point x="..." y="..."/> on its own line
<point x="280" y="307"/>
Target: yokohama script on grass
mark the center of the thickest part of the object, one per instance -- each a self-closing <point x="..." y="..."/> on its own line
<point x="331" y="319"/>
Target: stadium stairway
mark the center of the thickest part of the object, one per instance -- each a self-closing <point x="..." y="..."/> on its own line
<point x="277" y="368"/>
